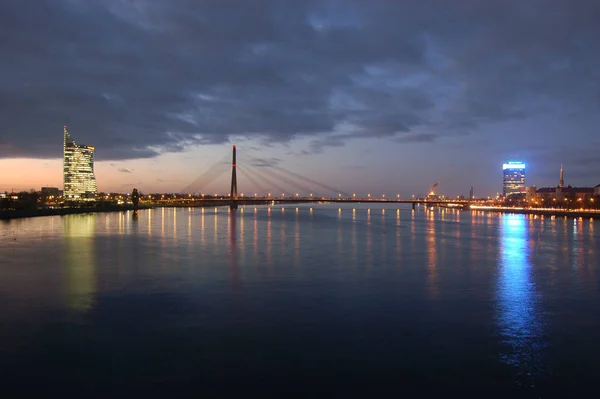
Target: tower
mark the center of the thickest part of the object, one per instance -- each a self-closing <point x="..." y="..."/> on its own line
<point x="78" y="169"/>
<point x="561" y="184"/>
<point x="513" y="178"/>
<point x="234" y="193"/>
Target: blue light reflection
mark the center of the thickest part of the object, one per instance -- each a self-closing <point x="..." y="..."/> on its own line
<point x="518" y="313"/>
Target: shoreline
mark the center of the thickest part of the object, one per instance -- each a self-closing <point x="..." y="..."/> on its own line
<point x="13" y="214"/>
<point x="22" y="214"/>
<point x="542" y="212"/>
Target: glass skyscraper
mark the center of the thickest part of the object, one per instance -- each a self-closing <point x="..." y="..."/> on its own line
<point x="78" y="169"/>
<point x="514" y="178"/>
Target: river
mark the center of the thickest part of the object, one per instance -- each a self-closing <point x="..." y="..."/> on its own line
<point x="309" y="300"/>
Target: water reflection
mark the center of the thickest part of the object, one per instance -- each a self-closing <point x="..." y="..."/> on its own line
<point x="518" y="311"/>
<point x="233" y="252"/>
<point x="79" y="260"/>
<point x="432" y="257"/>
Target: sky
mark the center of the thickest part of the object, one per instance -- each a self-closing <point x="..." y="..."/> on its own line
<point x="379" y="96"/>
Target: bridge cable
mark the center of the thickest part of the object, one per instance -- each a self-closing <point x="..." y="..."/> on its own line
<point x="272" y="171"/>
<point x="325" y="186"/>
<point x="251" y="179"/>
<point x="269" y="181"/>
<point x="212" y="173"/>
<point x="294" y="184"/>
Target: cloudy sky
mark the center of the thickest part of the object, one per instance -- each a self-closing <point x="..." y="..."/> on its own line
<point x="379" y="96"/>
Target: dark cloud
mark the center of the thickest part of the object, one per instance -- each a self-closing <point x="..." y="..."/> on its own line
<point x="264" y="162"/>
<point x="138" y="78"/>
<point x="416" y="138"/>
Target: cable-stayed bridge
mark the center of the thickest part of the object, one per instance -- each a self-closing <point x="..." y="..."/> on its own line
<point x="274" y="183"/>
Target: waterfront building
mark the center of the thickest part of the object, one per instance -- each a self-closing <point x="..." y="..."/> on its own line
<point x="78" y="169"/>
<point x="565" y="193"/>
<point x="561" y="192"/>
<point x="531" y="193"/>
<point x="50" y="192"/>
<point x="513" y="178"/>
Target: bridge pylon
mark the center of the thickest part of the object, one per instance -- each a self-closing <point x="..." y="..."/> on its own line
<point x="234" y="190"/>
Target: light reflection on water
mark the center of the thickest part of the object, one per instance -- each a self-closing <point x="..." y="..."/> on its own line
<point x="80" y="260"/>
<point x="519" y="313"/>
<point x="382" y="287"/>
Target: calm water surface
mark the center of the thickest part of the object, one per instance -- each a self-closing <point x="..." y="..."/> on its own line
<point x="322" y="301"/>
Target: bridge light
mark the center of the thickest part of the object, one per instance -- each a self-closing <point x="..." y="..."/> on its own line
<point x="268" y="194"/>
<point x="353" y="195"/>
<point x="398" y="196"/>
<point x="382" y="195"/>
<point x="339" y="195"/>
<point x="310" y="195"/>
<point x="255" y="194"/>
<point x="369" y="195"/>
<point x="296" y="194"/>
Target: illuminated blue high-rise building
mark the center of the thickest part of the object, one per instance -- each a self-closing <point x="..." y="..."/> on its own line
<point x="514" y="178"/>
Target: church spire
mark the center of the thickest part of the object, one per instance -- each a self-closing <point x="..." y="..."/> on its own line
<point x="562" y="179"/>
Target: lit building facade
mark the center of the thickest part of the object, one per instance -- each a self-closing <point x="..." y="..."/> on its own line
<point x="563" y="193"/>
<point x="78" y="169"/>
<point x="513" y="178"/>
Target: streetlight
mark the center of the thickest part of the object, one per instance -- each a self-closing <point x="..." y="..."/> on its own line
<point x="369" y="196"/>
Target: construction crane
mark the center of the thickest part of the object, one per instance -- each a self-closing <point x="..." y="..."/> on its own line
<point x="431" y="190"/>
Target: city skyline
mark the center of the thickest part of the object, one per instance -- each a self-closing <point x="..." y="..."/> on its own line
<point x="381" y="98"/>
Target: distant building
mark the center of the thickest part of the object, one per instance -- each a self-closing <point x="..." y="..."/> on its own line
<point x="565" y="193"/>
<point x="531" y="193"/>
<point x="513" y="178"/>
<point x="78" y="169"/>
<point x="561" y="193"/>
<point x="47" y="192"/>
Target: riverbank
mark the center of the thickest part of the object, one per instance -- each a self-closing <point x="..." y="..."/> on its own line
<point x="570" y="213"/>
<point x="20" y="214"/>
